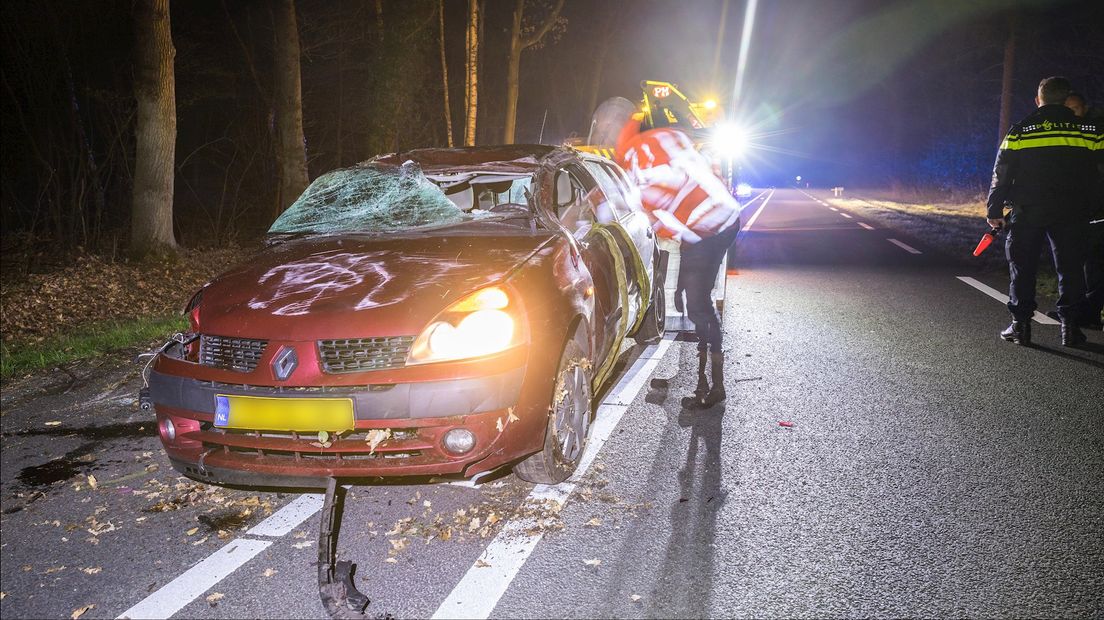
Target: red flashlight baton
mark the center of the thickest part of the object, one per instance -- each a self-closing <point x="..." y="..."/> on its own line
<point x="986" y="240"/>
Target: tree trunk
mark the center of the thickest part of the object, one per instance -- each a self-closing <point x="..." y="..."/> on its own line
<point x="291" y="154"/>
<point x="471" y="84"/>
<point x="518" y="43"/>
<point x="513" y="67"/>
<point x="444" y="71"/>
<point x="155" y="140"/>
<point x="1006" y="80"/>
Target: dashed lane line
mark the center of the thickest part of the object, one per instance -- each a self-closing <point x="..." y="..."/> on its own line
<point x="755" y="216"/>
<point x="866" y="226"/>
<point x="1038" y="317"/>
<point x="487" y="580"/>
<point x="834" y="209"/>
<point x="845" y="215"/>
<point x="173" y="596"/>
<point x="904" y="246"/>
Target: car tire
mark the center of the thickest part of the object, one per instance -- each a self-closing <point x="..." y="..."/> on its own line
<point x="655" y="319"/>
<point x="571" y="407"/>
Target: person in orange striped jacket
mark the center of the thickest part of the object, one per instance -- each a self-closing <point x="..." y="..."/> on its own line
<point x="688" y="203"/>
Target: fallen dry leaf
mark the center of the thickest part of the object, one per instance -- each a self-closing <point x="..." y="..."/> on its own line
<point x="92" y="482"/>
<point x="303" y="545"/>
<point x="375" y="437"/>
<point x="474" y="525"/>
<point x="635" y="597"/>
<point x="80" y="611"/>
<point x="215" y="597"/>
<point x="55" y="423"/>
<point x="299" y="535"/>
<point x="595" y="522"/>
<point x="427" y="503"/>
<point x="481" y="564"/>
<point x="398" y="544"/>
<point x="594" y="562"/>
<point x="91" y="570"/>
<point x="2" y="595"/>
<point x="55" y="569"/>
<point x="200" y="541"/>
<point x="192" y="531"/>
<point x="391" y="561"/>
<point x="269" y="572"/>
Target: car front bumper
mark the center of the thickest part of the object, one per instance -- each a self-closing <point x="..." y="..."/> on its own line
<point x="416" y="416"/>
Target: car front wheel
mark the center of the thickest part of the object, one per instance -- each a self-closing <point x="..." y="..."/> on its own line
<point x="568" y="421"/>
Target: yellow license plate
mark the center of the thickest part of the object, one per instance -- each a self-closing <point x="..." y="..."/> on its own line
<point x="283" y="414"/>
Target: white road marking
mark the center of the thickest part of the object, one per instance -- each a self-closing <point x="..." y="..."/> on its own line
<point x="289" y="517"/>
<point x="866" y="226"/>
<point x="1039" y="317"/>
<point x="834" y="209"/>
<point x="846" y="216"/>
<point x="755" y="216"/>
<point x="904" y="246"/>
<point x="173" y="596"/>
<point x="486" y="581"/>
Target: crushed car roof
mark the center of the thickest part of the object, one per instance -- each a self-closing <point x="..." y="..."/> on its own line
<point x="513" y="156"/>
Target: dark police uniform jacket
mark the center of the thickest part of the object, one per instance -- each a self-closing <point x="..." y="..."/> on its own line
<point x="1047" y="168"/>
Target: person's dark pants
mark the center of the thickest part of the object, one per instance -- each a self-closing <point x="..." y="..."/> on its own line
<point x="1094" y="273"/>
<point x="698" y="266"/>
<point x="1023" y="246"/>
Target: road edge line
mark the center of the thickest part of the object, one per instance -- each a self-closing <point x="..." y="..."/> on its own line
<point x="755" y="215"/>
<point x="483" y="585"/>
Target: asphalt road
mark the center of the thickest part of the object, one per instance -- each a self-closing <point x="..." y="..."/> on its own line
<point x="930" y="470"/>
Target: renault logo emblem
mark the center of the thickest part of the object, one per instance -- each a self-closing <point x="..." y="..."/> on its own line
<point x="284" y="363"/>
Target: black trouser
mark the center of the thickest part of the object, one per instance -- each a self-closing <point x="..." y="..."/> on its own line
<point x="698" y="265"/>
<point x="1094" y="272"/>
<point x="1023" y="247"/>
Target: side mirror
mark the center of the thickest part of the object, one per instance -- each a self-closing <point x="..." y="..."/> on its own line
<point x="565" y="191"/>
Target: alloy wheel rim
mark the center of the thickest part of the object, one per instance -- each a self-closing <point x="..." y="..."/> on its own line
<point x="573" y="417"/>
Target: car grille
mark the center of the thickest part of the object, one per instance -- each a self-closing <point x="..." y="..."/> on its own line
<point x="240" y="354"/>
<point x="361" y="354"/>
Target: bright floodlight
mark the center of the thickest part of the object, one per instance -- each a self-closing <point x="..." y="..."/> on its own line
<point x="710" y="104"/>
<point x="799" y="177"/>
<point x="730" y="140"/>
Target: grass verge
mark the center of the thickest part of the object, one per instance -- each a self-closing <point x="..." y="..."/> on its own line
<point x="85" y="342"/>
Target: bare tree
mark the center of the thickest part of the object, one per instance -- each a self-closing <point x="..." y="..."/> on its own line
<point x="444" y="71"/>
<point x="1006" y="79"/>
<point x="522" y="37"/>
<point x="155" y="137"/>
<point x="471" y="83"/>
<point x="291" y="154"/>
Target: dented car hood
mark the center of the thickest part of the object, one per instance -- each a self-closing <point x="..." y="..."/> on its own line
<point x="357" y="286"/>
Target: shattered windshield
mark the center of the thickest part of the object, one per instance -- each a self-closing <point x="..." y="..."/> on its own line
<point x="382" y="199"/>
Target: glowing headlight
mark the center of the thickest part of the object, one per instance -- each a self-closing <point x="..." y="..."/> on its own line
<point x="475" y="326"/>
<point x="730" y="140"/>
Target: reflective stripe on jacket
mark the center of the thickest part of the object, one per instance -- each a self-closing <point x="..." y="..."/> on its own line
<point x="1049" y="163"/>
<point x="683" y="198"/>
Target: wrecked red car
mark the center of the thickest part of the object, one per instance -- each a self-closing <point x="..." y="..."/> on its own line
<point x="438" y="312"/>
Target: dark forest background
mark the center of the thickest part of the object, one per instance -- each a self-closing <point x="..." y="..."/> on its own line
<point x="840" y="96"/>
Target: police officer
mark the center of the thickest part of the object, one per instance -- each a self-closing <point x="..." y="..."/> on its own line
<point x="1045" y="168"/>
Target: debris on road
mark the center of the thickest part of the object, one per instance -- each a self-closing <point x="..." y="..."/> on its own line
<point x="635" y="597"/>
<point x="786" y="424"/>
<point x="80" y="611"/>
<point x="594" y="562"/>
<point x="214" y="598"/>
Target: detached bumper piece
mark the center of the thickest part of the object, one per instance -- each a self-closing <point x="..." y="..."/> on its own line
<point x="339" y="594"/>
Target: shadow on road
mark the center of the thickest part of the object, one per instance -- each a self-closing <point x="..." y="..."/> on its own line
<point x="686" y="575"/>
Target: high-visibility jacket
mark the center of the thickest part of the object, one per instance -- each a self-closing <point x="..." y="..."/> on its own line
<point x="683" y="198"/>
<point x="1047" y="166"/>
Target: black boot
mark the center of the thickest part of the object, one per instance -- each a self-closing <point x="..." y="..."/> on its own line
<point x="1019" y="332"/>
<point x="717" y="394"/>
<point x="1072" y="334"/>
<point x="702" y="388"/>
